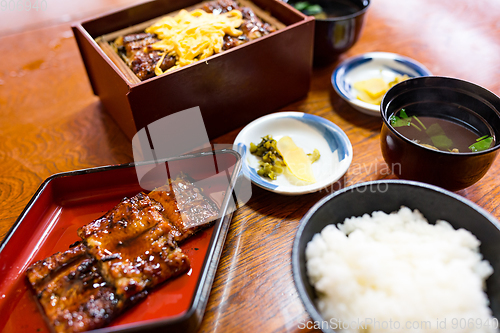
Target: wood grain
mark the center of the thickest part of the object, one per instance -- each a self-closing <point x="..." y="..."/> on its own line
<point x="51" y="122"/>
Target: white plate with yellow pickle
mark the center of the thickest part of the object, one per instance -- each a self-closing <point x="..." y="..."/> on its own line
<point x="294" y="153"/>
<point x="363" y="80"/>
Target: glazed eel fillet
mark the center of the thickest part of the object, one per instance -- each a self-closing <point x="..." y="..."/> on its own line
<point x="185" y="207"/>
<point x="72" y="292"/>
<point x="122" y="255"/>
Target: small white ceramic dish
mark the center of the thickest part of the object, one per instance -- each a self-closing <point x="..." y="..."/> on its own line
<point x="372" y="65"/>
<point x="309" y="132"/>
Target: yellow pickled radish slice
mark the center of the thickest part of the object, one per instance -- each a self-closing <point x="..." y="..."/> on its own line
<point x="375" y="87"/>
<point x="363" y="96"/>
<point x="296" y="160"/>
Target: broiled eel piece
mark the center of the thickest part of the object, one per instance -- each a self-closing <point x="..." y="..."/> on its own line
<point x="252" y="26"/>
<point x="134" y="246"/>
<point x="72" y="292"/>
<point x="136" y="50"/>
<point x="185" y="206"/>
<point x="126" y="252"/>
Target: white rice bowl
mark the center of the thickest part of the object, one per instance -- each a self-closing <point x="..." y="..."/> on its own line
<point x="398" y="273"/>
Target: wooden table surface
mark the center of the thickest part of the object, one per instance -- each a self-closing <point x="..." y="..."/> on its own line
<point x="51" y="122"/>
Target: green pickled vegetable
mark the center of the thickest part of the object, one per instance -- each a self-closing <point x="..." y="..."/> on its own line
<point x="314" y="156"/>
<point x="272" y="164"/>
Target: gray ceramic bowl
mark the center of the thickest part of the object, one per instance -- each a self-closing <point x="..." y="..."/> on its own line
<point x="388" y="196"/>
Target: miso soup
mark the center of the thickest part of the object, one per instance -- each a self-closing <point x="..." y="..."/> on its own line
<point x="440" y="134"/>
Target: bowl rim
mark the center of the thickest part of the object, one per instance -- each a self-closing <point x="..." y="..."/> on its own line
<point x="340" y="71"/>
<point x="365" y="3"/>
<point x="299" y="284"/>
<point x="386" y="122"/>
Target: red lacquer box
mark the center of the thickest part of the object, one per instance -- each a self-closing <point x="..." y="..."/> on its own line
<point x="231" y="88"/>
<point x="67" y="201"/>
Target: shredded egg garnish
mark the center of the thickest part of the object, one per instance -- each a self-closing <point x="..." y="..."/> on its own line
<point x="194" y="35"/>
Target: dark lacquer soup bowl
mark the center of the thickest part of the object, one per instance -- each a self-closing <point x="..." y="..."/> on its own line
<point x="439" y="130"/>
<point x="337" y="28"/>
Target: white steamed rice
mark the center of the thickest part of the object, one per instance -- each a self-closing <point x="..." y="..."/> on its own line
<point x="397" y="267"/>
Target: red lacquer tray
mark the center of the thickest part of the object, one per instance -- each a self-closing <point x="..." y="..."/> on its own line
<point x="67" y="201"/>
